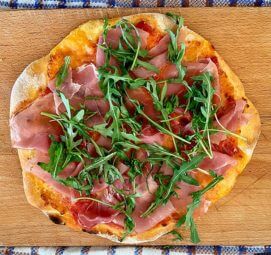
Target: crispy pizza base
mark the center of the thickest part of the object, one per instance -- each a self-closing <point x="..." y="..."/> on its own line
<point x="80" y="44"/>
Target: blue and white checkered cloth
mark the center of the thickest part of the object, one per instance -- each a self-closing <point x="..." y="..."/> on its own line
<point x="51" y="4"/>
<point x="173" y="250"/>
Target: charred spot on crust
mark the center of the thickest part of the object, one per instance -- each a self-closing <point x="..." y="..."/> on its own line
<point x="197" y="43"/>
<point x="56" y="219"/>
<point x="44" y="198"/>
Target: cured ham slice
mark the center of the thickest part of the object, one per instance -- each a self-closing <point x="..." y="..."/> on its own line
<point x="87" y="77"/>
<point x="30" y="129"/>
<point x="142" y="95"/>
<point x="71" y="170"/>
<point x="233" y="119"/>
<point x="89" y="213"/>
<point x="68" y="88"/>
<point x="175" y="89"/>
<point x="219" y="163"/>
<point x="179" y="120"/>
<point x="152" y="136"/>
<point x="79" y="84"/>
<point x="161" y="47"/>
<point x="31" y="166"/>
<point x="147" y="191"/>
<point x="100" y="106"/>
<point x="202" y="66"/>
<point x="122" y="167"/>
<point x="113" y="40"/>
<point x="100" y="56"/>
<point x="184" y="198"/>
<point x="158" y="61"/>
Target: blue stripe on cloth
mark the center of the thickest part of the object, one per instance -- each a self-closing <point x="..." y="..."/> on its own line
<point x="267" y="248"/>
<point x="60" y="250"/>
<point x="218" y="250"/>
<point x="258" y="3"/>
<point x="210" y="2"/>
<point x="13" y="4"/>
<point x="61" y="4"/>
<point x="85" y="250"/>
<point x="86" y="3"/>
<point x="10" y="251"/>
<point x="34" y="250"/>
<point x="136" y="252"/>
<point x="135" y="3"/>
<point x="111" y="3"/>
<point x="38" y="4"/>
<point x="160" y="3"/>
<point x="185" y="3"/>
<point x="189" y="250"/>
<point x="111" y="250"/>
<point x="242" y="250"/>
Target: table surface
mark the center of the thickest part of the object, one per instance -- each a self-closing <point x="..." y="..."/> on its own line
<point x="241" y="36"/>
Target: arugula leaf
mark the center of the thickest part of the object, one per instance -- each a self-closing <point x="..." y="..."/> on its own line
<point x="147" y="65"/>
<point x="63" y="71"/>
<point x="177" y="235"/>
<point x="187" y="219"/>
<point x="176" y="18"/>
<point x="200" y="104"/>
<point x="175" y="54"/>
<point x="164" y="192"/>
<point x="57" y="158"/>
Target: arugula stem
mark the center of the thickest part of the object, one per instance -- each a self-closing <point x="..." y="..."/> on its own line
<point x="165" y="131"/>
<point x="92" y="199"/>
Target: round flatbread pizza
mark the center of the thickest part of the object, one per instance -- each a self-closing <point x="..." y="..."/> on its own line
<point x="131" y="128"/>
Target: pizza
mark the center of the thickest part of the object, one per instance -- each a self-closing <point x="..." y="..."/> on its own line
<point x="131" y="128"/>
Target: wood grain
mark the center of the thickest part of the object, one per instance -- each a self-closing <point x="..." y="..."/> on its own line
<point x="241" y="36"/>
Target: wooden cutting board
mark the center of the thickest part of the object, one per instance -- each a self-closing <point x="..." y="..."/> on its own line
<point x="241" y="35"/>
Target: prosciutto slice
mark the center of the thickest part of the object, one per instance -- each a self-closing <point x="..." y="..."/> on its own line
<point x="79" y="84"/>
<point x="31" y="166"/>
<point x="89" y="213"/>
<point x="87" y="77"/>
<point x="184" y="199"/>
<point x="219" y="163"/>
<point x="100" y="106"/>
<point x="142" y="95"/>
<point x="161" y="47"/>
<point x="152" y="136"/>
<point x="68" y="88"/>
<point x="180" y="120"/>
<point x="113" y="40"/>
<point x="232" y="120"/>
<point x="202" y="66"/>
<point x="30" y="129"/>
<point x="100" y="56"/>
<point x="147" y="192"/>
<point x="166" y="69"/>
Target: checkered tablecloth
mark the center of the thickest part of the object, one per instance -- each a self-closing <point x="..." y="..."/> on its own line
<point x="48" y="4"/>
<point x="173" y="250"/>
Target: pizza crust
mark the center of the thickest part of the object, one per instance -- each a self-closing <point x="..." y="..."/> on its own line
<point x="80" y="44"/>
